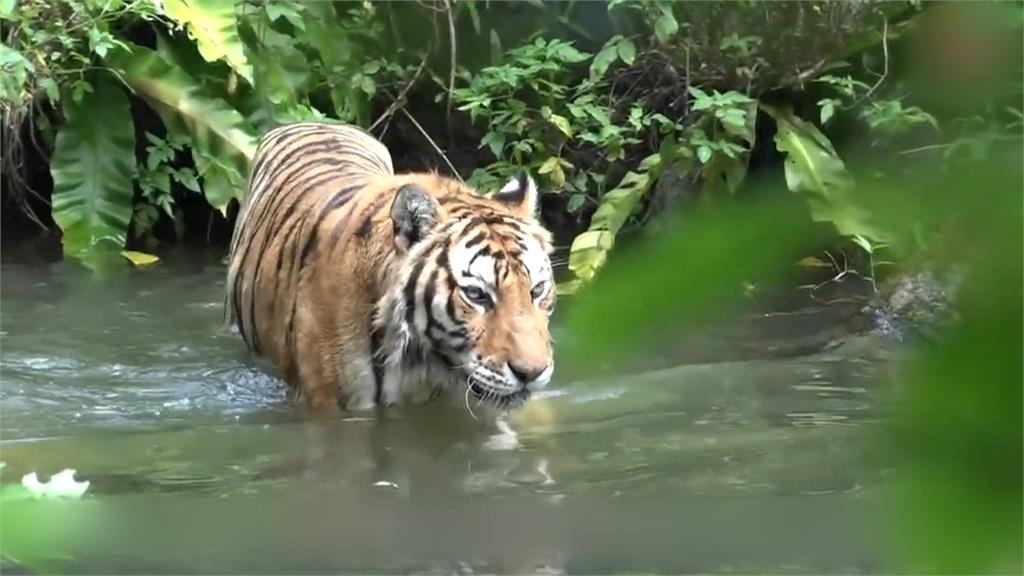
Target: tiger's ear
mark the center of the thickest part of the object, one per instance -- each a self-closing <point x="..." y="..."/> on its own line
<point x="520" y="194"/>
<point x="414" y="214"/>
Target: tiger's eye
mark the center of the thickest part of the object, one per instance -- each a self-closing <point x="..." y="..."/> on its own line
<point x="538" y="289"/>
<point x="476" y="295"/>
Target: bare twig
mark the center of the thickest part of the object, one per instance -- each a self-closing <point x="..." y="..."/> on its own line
<point x="810" y="72"/>
<point x="429" y="6"/>
<point x="885" y="65"/>
<point x="451" y="73"/>
<point x="401" y="95"/>
<point x="432" y="143"/>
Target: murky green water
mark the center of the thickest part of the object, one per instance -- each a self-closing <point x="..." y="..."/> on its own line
<point x="745" y="447"/>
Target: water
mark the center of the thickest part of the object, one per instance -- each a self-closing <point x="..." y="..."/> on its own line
<point x="745" y="446"/>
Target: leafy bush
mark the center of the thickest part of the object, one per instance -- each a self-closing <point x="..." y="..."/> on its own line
<point x="220" y="74"/>
<point x="666" y="89"/>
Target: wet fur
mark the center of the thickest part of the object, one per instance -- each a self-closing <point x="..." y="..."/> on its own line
<point x="330" y="279"/>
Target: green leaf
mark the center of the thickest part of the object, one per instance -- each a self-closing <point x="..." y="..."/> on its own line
<point x="548" y="165"/>
<point x="590" y="249"/>
<point x="627" y="51"/>
<point x="221" y="182"/>
<point x="92" y="167"/>
<point x="495" y="141"/>
<point x="680" y="275"/>
<point x="724" y="174"/>
<point x="288" y="10"/>
<point x="212" y="24"/>
<point x="16" y="70"/>
<point x="864" y="243"/>
<point x="698" y="93"/>
<point x="665" y="27"/>
<point x="813" y="168"/>
<point x="553" y="166"/>
<point x="742" y="121"/>
<point x="562" y="124"/>
<point x="280" y="69"/>
<point x="704" y="153"/>
<point x="187" y="178"/>
<point x="341" y="57"/>
<point x="575" y="202"/>
<point x="7" y="9"/>
<point x="49" y="86"/>
<point x="140" y="259"/>
<point x="219" y="134"/>
<point x="828" y="108"/>
<point x="599" y="65"/>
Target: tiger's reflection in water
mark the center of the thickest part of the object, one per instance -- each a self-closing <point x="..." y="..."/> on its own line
<point x="431" y="455"/>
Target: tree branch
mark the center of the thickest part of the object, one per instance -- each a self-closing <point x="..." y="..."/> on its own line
<point x="401" y="95"/>
<point x="432" y="143"/>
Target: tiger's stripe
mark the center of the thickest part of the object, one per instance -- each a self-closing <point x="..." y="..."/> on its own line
<point x="352" y="279"/>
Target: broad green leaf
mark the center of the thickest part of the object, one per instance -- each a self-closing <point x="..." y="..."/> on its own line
<point x="92" y="168"/>
<point x="746" y="122"/>
<point x="212" y="24"/>
<point x="562" y="124"/>
<point x="599" y="65"/>
<point x="557" y="176"/>
<point x="575" y="202"/>
<point x="665" y="27"/>
<point x="704" y="153"/>
<point x="49" y="86"/>
<point x="864" y="243"/>
<point x="813" y="168"/>
<point x="698" y="93"/>
<point x="681" y="275"/>
<point x="221" y="182"/>
<point x="589" y="252"/>
<point x="590" y="249"/>
<point x="495" y="141"/>
<point x="220" y="136"/>
<point x="288" y="10"/>
<point x="828" y="108"/>
<point x="548" y="165"/>
<point x="724" y="174"/>
<point x="627" y="51"/>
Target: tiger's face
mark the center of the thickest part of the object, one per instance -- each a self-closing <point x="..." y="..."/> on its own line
<point x="502" y="294"/>
<point x="481" y="288"/>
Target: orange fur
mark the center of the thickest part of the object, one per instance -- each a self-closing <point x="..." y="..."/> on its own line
<point x="316" y="267"/>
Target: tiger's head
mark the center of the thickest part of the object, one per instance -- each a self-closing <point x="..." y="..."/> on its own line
<point x="475" y="289"/>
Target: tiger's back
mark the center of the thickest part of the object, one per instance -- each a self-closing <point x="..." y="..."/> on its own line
<point x="325" y="249"/>
<point x="303" y="175"/>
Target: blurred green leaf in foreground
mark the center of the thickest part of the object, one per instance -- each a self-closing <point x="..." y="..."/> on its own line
<point x="956" y="432"/>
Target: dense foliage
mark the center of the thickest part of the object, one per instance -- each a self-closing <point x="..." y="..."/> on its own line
<point x="895" y="125"/>
<point x="622" y="109"/>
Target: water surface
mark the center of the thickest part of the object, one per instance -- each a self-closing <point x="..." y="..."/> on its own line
<point x="744" y="446"/>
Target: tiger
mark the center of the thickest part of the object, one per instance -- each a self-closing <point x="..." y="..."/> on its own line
<point x="367" y="288"/>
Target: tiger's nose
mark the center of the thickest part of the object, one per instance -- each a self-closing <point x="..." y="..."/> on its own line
<point x="529" y="375"/>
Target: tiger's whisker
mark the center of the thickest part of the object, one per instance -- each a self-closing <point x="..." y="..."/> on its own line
<point x="468" y="387"/>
